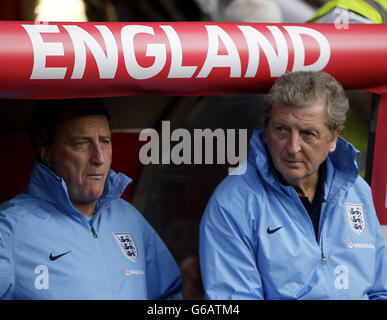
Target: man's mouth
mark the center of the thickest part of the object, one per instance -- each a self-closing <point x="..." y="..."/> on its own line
<point x="293" y="163"/>
<point x="96" y="176"/>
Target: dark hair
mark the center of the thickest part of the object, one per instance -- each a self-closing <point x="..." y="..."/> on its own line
<point x="48" y="113"/>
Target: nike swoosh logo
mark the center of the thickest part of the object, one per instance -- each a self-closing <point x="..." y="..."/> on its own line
<point x="53" y="258"/>
<point x="271" y="231"/>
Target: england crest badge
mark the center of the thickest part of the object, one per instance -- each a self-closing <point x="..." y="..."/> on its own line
<point x="127" y="245"/>
<point x="356" y="218"/>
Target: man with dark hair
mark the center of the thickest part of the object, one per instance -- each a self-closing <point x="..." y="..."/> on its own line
<point x="69" y="235"/>
<point x="300" y="223"/>
<point x="47" y="113"/>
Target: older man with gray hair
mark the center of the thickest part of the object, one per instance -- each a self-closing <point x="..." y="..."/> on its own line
<point x="300" y="223"/>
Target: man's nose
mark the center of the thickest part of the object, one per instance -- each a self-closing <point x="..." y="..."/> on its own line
<point x="294" y="143"/>
<point x="97" y="156"/>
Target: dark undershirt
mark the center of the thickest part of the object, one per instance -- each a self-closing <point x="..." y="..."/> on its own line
<point x="314" y="208"/>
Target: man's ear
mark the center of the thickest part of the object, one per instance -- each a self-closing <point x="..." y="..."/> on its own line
<point x="333" y="142"/>
<point x="44" y="155"/>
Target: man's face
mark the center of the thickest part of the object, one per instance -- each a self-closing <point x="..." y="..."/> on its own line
<point x="81" y="154"/>
<point x="298" y="141"/>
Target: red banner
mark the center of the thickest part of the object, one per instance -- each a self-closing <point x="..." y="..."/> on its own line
<point x="379" y="170"/>
<point x="66" y="60"/>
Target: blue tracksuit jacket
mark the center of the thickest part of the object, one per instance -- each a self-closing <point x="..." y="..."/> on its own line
<point x="49" y="250"/>
<point x="257" y="240"/>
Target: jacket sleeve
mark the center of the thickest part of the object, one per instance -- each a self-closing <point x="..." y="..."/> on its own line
<point x="379" y="290"/>
<point x="228" y="252"/>
<point x="163" y="275"/>
<point x="6" y="273"/>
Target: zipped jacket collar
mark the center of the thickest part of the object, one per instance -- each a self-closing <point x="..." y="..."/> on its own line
<point x="44" y="184"/>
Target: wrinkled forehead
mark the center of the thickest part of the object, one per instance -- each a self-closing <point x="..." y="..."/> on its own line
<point x="75" y="124"/>
<point x="313" y="115"/>
<point x="81" y="120"/>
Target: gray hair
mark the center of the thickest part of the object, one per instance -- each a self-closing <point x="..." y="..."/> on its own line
<point x="302" y="88"/>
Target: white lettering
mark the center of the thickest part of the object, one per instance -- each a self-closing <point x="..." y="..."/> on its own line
<point x="42" y="50"/>
<point x="41" y="281"/>
<point x="242" y="154"/>
<point x="277" y="62"/>
<point x="107" y="65"/>
<point x="213" y="60"/>
<point x="299" y="48"/>
<point x="164" y="310"/>
<point x="157" y="51"/>
<point x="106" y="56"/>
<point x="342" y="280"/>
<point x="177" y="70"/>
<point x="209" y="136"/>
<point x="165" y="142"/>
<point x="342" y="19"/>
<point x="152" y="146"/>
<point x="181" y="152"/>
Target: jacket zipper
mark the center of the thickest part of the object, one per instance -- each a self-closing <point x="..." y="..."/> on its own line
<point x="320" y="236"/>
<point x="292" y="193"/>
<point x="323" y="256"/>
<point x="93" y="232"/>
<point x="95" y="235"/>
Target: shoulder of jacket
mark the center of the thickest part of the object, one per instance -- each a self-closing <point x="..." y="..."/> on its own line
<point x="13" y="212"/>
<point x="17" y="207"/>
<point x="120" y="203"/>
<point x="361" y="185"/>
<point x="246" y="183"/>
<point x="24" y="206"/>
<point x="126" y="210"/>
<point x="238" y="194"/>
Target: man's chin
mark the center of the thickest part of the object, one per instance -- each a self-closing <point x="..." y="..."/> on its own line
<point x="94" y="196"/>
<point x="293" y="176"/>
<point x="89" y="197"/>
<point x="94" y="190"/>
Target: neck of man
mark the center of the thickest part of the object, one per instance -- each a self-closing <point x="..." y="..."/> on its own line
<point x="87" y="209"/>
<point x="306" y="187"/>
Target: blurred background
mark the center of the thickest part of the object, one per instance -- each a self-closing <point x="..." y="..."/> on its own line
<point x="171" y="197"/>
